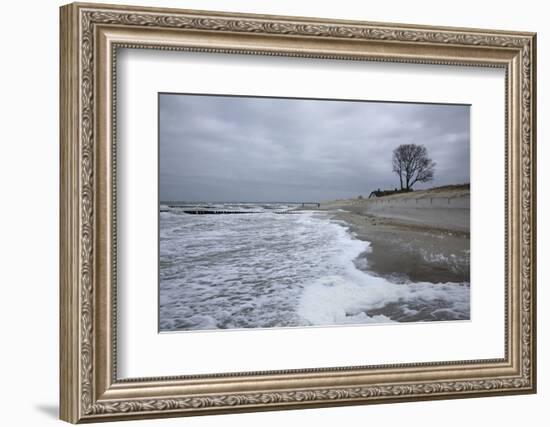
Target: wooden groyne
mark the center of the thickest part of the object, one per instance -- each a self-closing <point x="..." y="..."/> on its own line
<point x="203" y="211"/>
<point x="222" y="212"/>
<point x="216" y="212"/>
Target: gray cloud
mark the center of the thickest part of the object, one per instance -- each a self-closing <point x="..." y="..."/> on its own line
<point x="218" y="148"/>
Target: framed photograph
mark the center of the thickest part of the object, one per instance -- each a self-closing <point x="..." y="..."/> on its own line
<point x="266" y="212"/>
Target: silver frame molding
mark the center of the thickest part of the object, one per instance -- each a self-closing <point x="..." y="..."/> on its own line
<point x="90" y="37"/>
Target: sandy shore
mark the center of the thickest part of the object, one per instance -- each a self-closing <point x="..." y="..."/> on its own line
<point x="422" y="236"/>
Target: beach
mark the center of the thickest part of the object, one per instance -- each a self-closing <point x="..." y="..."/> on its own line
<point x="421" y="236"/>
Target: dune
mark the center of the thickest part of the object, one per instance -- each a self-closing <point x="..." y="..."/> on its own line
<point x="445" y="208"/>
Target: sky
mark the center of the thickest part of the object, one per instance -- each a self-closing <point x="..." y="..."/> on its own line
<point x="253" y="149"/>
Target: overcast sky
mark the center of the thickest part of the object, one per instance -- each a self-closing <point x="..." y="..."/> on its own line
<point x="219" y="148"/>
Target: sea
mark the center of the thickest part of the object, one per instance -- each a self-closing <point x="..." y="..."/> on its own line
<point x="270" y="265"/>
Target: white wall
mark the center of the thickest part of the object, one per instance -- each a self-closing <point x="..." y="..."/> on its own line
<point x="29" y="170"/>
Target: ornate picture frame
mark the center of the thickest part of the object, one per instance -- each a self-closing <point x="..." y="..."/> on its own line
<point x="90" y="37"/>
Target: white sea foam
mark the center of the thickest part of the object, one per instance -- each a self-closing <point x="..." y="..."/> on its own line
<point x="337" y="300"/>
<point x="271" y="270"/>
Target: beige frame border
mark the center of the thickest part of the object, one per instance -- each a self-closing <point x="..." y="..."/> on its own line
<point x="90" y="36"/>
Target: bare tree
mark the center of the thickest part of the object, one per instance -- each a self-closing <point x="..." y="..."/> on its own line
<point x="412" y="164"/>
